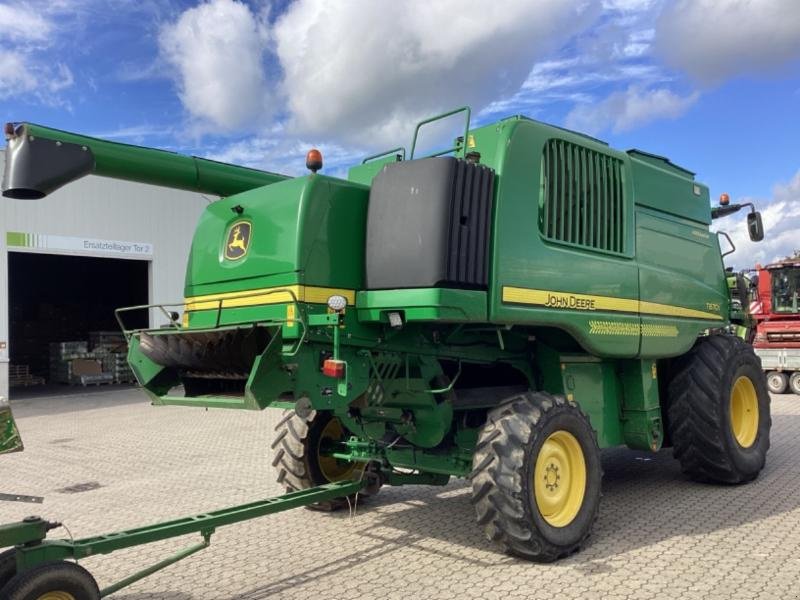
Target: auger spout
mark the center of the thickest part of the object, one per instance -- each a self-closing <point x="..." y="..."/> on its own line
<point x="39" y="160"/>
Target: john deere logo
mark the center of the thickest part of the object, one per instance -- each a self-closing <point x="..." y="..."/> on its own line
<point x="238" y="240"/>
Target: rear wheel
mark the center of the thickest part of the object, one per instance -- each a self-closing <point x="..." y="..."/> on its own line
<point x="536" y="477"/>
<point x="794" y="382"/>
<point x="299" y="456"/>
<point x="719" y="413"/>
<point x="53" y="581"/>
<point x="777" y="382"/>
<point x="8" y="566"/>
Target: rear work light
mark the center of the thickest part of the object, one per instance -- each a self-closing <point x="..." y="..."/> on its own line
<point x="334" y="368"/>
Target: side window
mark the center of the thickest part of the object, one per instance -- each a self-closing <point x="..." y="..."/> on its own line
<point x="582" y="201"/>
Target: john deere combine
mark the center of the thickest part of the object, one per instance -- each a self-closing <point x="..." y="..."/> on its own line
<point x="499" y="312"/>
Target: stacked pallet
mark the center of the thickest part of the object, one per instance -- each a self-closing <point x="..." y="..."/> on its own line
<point x="61" y="356"/>
<point x="20" y="376"/>
<point x="111" y="348"/>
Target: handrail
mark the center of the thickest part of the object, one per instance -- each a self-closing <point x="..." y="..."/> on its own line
<point x="457" y="147"/>
<point x="300" y="315"/>
<point x="399" y="151"/>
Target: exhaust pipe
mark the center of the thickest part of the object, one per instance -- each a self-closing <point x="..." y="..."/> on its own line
<point x="35" y="167"/>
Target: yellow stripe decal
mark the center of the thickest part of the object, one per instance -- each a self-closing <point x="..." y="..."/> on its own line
<point x="586" y="302"/>
<point x="275" y="295"/>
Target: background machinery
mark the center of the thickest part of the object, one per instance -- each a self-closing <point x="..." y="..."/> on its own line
<point x="545" y="297"/>
<point x="775" y="311"/>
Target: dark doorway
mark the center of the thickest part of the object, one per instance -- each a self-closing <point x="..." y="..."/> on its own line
<point x="56" y="298"/>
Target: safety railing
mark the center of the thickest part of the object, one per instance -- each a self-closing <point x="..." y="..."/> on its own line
<point x="459" y="147"/>
<point x="400" y="152"/>
<point x="299" y="316"/>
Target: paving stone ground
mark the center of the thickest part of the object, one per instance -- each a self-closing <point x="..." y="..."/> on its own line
<point x="659" y="535"/>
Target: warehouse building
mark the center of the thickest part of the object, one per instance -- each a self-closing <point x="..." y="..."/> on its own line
<point x="69" y="260"/>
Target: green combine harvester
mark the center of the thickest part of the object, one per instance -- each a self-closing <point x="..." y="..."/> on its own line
<point x="499" y="312"/>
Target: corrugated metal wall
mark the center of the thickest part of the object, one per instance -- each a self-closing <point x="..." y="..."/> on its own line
<point x="102" y="208"/>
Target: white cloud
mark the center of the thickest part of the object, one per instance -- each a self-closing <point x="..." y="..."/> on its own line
<point x="23" y="24"/>
<point x="713" y="40"/>
<point x="366" y="71"/>
<point x="781" y="217"/>
<point x="26" y="38"/>
<point x="217" y="50"/>
<point x="626" y="6"/>
<point x="15" y="76"/>
<point x="625" y="110"/>
<point x="22" y="74"/>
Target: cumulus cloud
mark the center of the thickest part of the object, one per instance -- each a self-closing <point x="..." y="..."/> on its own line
<point x="713" y="40"/>
<point x="781" y="216"/>
<point x="365" y="70"/>
<point x="25" y="69"/>
<point x="625" y="110"/>
<point x="359" y="71"/>
<point x="217" y="50"/>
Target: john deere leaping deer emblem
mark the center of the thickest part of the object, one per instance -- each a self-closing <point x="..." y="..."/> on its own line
<point x="238" y="240"/>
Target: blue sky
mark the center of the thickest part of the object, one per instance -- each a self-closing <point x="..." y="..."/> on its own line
<point x="712" y="84"/>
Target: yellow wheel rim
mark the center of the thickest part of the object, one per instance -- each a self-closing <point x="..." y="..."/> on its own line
<point x="744" y="412"/>
<point x="559" y="479"/>
<point x="333" y="469"/>
<point x="55" y="595"/>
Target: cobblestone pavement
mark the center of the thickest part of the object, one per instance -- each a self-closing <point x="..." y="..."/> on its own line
<point x="658" y="535"/>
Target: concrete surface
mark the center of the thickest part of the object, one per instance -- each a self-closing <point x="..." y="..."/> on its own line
<point x="659" y="536"/>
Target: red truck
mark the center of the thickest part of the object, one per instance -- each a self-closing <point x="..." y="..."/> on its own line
<point x="775" y="310"/>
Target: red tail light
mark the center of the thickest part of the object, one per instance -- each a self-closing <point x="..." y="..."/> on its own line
<point x="334" y="368"/>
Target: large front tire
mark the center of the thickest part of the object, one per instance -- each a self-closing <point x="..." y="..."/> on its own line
<point x="719" y="411"/>
<point x="536" y="477"/>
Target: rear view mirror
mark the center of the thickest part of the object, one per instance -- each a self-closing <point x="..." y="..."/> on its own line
<point x="755" y="228"/>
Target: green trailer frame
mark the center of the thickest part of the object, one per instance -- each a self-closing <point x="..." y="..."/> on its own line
<point x="31" y="549"/>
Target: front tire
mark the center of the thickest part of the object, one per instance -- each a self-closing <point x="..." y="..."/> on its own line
<point x="719" y="411"/>
<point x="536" y="477"/>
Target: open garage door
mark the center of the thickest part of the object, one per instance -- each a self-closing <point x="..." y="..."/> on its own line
<point x="61" y="307"/>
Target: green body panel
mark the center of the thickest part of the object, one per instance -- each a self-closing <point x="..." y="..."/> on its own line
<point x="425" y="304"/>
<point x="365" y="172"/>
<point x="670" y="259"/>
<point x="594" y="385"/>
<point x="160" y="167"/>
<point x="308" y="230"/>
<point x="641" y="410"/>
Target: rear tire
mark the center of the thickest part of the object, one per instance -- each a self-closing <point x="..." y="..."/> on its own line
<point x="8" y="567"/>
<point x="56" y="580"/>
<point x="777" y="382"/>
<point x="536" y="477"/>
<point x="299" y="461"/>
<point x="794" y="382"/>
<point x="719" y="411"/>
